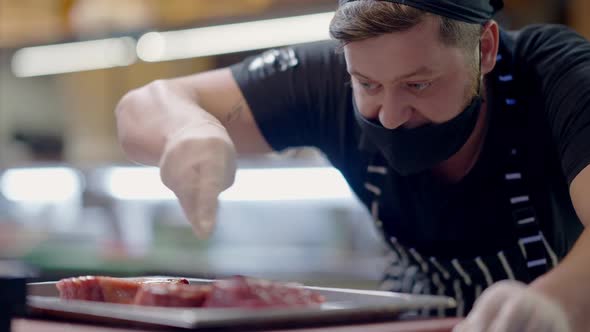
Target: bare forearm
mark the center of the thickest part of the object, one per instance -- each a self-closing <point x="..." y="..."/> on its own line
<point x="568" y="283"/>
<point x="147" y="116"/>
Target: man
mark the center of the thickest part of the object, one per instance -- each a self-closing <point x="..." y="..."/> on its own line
<point x="470" y="146"/>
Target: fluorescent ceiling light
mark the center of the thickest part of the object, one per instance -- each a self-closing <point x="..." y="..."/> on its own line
<point x="171" y="45"/>
<point x="40" y="185"/>
<point x="238" y="37"/>
<point x="73" y="57"/>
<point x="143" y="183"/>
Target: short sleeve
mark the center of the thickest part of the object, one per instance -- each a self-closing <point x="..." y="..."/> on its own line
<point x="555" y="60"/>
<point x="299" y="95"/>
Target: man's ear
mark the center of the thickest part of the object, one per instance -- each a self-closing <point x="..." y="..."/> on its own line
<point x="490" y="40"/>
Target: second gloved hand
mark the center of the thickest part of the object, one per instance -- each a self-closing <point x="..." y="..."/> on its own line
<point x="197" y="164"/>
<point x="510" y="306"/>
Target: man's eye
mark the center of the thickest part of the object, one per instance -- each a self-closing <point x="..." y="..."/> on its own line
<point x="419" y="86"/>
<point x="369" y="86"/>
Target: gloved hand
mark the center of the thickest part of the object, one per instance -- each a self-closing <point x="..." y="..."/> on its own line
<point x="510" y="306"/>
<point x="197" y="164"/>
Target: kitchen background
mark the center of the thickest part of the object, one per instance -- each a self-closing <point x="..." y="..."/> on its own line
<point x="70" y="202"/>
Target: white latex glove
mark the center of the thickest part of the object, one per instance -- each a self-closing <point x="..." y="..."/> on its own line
<point x="511" y="306"/>
<point x="198" y="163"/>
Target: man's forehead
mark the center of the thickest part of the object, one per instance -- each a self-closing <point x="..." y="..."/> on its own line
<point x="413" y="52"/>
<point x="427" y="31"/>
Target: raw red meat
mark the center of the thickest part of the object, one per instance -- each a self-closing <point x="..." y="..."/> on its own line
<point x="81" y="288"/>
<point x="106" y="289"/>
<point x="245" y="292"/>
<point x="233" y="292"/>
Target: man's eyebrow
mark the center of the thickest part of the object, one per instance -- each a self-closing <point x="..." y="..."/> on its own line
<point x="423" y="70"/>
<point x="356" y="73"/>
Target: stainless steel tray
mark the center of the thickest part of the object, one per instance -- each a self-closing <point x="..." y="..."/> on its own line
<point x="342" y="306"/>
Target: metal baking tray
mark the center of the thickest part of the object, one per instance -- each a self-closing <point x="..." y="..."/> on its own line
<point x="342" y="306"/>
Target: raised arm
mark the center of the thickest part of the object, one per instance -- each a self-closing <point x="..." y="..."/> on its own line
<point x="191" y="127"/>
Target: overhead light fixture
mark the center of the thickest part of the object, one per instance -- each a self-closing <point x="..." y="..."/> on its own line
<point x="230" y="38"/>
<point x="41" y="185"/>
<point x="74" y="57"/>
<point x="271" y="184"/>
<point x="170" y="45"/>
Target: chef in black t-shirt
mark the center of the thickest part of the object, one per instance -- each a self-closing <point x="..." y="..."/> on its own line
<point x="468" y="144"/>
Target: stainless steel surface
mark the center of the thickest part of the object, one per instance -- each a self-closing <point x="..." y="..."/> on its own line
<point x="342" y="306"/>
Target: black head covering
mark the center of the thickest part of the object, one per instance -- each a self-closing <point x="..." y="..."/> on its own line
<point x="470" y="11"/>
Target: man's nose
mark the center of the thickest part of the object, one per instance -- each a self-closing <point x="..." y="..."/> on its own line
<point x="394" y="113"/>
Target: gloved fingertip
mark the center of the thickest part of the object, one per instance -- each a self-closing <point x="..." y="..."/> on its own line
<point x="204" y="228"/>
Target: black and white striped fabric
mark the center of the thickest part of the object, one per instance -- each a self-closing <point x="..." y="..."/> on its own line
<point x="465" y="279"/>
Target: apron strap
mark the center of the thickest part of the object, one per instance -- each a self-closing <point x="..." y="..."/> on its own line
<point x="531" y="240"/>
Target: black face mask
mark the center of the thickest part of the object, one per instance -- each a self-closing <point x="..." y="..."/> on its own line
<point x="410" y="151"/>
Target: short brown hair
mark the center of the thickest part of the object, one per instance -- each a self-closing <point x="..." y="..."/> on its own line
<point x="363" y="19"/>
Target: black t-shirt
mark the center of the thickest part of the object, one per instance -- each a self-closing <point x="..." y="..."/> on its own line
<point x="301" y="96"/>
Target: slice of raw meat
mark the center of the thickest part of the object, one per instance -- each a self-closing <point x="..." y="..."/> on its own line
<point x="115" y="290"/>
<point x="245" y="292"/>
<point x="80" y="288"/>
<point x="106" y="289"/>
<point x="172" y="295"/>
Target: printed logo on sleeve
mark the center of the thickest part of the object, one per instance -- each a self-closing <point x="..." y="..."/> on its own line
<point x="275" y="60"/>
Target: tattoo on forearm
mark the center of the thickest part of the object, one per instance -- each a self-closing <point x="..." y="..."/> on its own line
<point x="236" y="111"/>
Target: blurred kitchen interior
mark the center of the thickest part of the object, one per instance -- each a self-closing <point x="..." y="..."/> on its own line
<point x="70" y="202"/>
